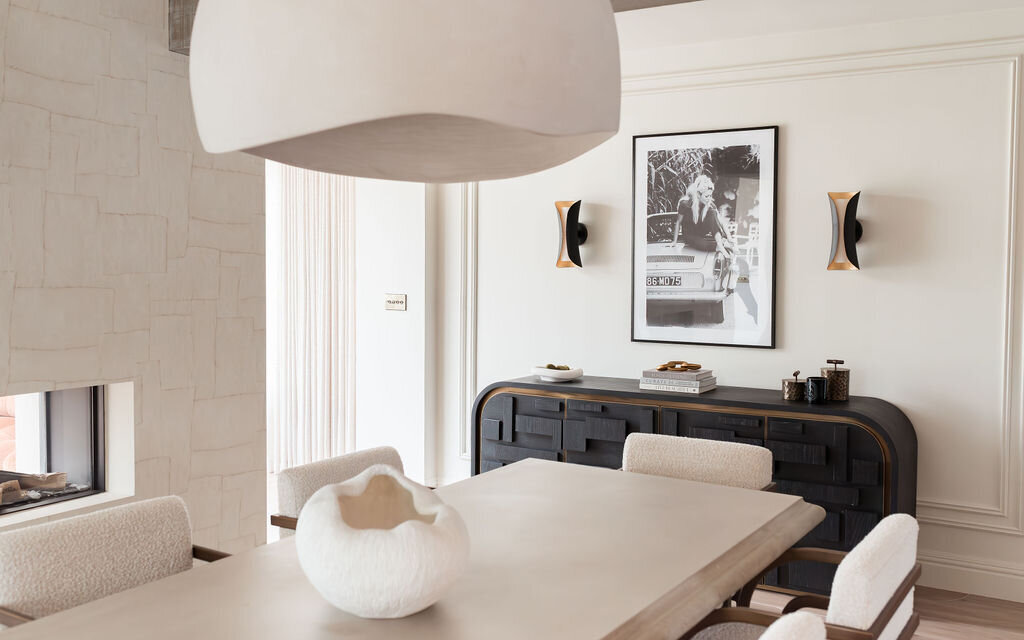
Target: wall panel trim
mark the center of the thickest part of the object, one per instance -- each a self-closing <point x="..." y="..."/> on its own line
<point x="468" y="216"/>
<point x="1004" y="516"/>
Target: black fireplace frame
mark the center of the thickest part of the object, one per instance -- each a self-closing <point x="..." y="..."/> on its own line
<point x="97" y="451"/>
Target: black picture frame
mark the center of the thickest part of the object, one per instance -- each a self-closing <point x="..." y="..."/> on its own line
<point x="675" y="310"/>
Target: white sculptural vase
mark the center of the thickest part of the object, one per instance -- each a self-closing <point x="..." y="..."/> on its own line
<point x="380" y="545"/>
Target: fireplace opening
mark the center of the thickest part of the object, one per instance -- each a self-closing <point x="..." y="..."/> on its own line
<point x="51" y="447"/>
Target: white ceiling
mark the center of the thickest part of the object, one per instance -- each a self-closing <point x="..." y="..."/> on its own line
<point x="630" y="5"/>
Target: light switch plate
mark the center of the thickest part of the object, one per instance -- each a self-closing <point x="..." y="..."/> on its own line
<point x="394" y="302"/>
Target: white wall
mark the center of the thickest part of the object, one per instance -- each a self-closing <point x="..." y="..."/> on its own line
<point x="923" y="115"/>
<point x="392" y="355"/>
<point x="127" y="253"/>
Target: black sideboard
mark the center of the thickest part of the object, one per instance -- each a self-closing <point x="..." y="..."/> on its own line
<point x="857" y="459"/>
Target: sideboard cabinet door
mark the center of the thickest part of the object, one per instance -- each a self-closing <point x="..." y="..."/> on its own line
<point x="514" y="427"/>
<point x="730" y="427"/>
<point x="594" y="432"/>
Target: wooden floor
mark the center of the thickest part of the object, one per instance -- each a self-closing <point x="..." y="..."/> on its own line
<point x="947" y="615"/>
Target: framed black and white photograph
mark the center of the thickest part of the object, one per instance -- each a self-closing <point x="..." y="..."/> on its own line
<point x="704" y="237"/>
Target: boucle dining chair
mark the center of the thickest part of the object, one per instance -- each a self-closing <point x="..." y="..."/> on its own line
<point x="795" y="626"/>
<point x="296" y="485"/>
<point x="872" y="592"/>
<point x="49" y="567"/>
<point x="727" y="463"/>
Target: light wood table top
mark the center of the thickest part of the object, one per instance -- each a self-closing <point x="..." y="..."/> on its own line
<point x="558" y="551"/>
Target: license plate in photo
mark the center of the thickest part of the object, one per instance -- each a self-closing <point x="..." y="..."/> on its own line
<point x="664" y="281"/>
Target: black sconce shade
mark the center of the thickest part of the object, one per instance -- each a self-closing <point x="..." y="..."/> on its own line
<point x="846" y="231"/>
<point x="573" y="233"/>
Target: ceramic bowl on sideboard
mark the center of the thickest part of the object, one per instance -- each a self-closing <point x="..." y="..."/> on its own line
<point x="557" y="375"/>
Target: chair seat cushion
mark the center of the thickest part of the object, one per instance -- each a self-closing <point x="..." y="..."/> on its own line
<point x="801" y="625"/>
<point x="731" y="631"/>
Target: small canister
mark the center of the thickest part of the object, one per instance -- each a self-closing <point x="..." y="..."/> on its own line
<point x="838" y="381"/>
<point x="817" y="389"/>
<point x="794" y="388"/>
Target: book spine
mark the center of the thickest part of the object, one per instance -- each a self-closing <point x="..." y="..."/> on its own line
<point x="675" y="388"/>
<point x="680" y="383"/>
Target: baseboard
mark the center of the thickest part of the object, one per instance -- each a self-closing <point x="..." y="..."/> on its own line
<point x="972" y="575"/>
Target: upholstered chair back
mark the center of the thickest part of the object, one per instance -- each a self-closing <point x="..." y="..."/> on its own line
<point x="727" y="463"/>
<point x="297" y="484"/>
<point x="50" y="567"/>
<point x="869" y="576"/>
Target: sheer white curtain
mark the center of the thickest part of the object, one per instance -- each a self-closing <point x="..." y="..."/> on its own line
<point x="310" y="282"/>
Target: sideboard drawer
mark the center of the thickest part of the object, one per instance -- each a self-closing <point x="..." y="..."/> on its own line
<point x="748" y="429"/>
<point x="549" y="428"/>
<point x="809" y="450"/>
<point x="798" y="452"/>
<point x="836" y="454"/>
<point x="514" y="428"/>
<point x="821" y="493"/>
<point x="594" y="432"/>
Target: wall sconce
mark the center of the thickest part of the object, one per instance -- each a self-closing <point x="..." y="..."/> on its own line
<point x="573" y="232"/>
<point x="846" y="231"/>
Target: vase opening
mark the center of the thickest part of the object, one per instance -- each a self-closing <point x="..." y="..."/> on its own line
<point x="384" y="504"/>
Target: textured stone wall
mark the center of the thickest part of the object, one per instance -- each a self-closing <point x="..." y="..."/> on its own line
<point x="128" y="253"/>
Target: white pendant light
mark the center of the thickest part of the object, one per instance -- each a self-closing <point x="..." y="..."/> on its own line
<point x="419" y="90"/>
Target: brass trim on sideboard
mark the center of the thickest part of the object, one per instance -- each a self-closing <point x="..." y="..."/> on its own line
<point x="694" y="406"/>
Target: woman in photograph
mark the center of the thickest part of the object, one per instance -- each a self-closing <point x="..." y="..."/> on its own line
<point x="701" y="227"/>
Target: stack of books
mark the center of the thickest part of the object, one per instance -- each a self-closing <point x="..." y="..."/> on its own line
<point x="697" y="381"/>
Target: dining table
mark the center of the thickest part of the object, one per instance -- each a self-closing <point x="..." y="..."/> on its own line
<point x="557" y="550"/>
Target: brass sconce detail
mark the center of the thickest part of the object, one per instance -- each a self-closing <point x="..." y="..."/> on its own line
<point x="573" y="233"/>
<point x="846" y="231"/>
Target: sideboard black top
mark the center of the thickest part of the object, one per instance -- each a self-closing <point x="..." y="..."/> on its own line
<point x="875" y="410"/>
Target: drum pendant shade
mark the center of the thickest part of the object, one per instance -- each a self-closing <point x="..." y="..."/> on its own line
<point x="417" y="90"/>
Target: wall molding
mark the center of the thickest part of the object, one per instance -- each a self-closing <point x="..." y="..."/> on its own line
<point x="1010" y="456"/>
<point x="1011" y="431"/>
<point x="468" y="217"/>
<point x="635" y="82"/>
<point x="970" y="562"/>
<point x="1005" y="515"/>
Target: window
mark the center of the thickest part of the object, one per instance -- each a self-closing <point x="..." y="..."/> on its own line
<point x="51" y="447"/>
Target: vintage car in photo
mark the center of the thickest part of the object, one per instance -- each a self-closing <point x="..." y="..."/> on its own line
<point x="684" y="284"/>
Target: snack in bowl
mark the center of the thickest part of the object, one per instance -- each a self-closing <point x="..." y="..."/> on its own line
<point x="556" y="372"/>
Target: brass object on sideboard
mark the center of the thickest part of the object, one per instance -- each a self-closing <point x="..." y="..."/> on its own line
<point x="678" y="365"/>
<point x="838" y="381"/>
<point x="794" y="388"/>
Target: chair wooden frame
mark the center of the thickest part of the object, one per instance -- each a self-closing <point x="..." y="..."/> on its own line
<point x="285" y="522"/>
<point x="11" y="618"/>
<point x="742" y="612"/>
<point x="289" y="522"/>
